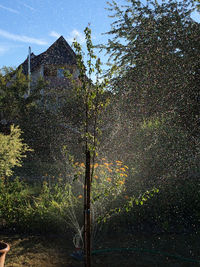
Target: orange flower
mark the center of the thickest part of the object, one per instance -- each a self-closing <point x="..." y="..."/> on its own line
<point x="96" y="165"/>
<point x="105" y="163"/>
<point x="82" y="165"/>
<point x="121" y="174"/>
<point x="96" y="177"/>
<point x="121" y="182"/>
<point x="126" y="197"/>
<point x="76" y="164"/>
<point x="122" y="169"/>
<point x="118" y="161"/>
<point x="109" y="179"/>
<point x="80" y="196"/>
<point x="109" y="170"/>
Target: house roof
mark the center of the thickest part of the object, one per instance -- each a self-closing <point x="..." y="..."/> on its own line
<point x="59" y="53"/>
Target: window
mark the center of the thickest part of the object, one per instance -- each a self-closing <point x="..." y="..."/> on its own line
<point x="49" y="71"/>
<point x="60" y="73"/>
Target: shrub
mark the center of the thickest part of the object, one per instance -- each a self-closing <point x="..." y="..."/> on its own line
<point x="108" y="184"/>
<point x="14" y="200"/>
<point x="12" y="150"/>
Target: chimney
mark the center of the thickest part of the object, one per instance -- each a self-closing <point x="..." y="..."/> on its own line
<point x="29" y="70"/>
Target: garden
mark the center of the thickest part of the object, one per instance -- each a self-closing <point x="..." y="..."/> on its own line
<point x="119" y="186"/>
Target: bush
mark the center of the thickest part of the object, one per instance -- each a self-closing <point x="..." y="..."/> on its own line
<point x="34" y="208"/>
<point x="14" y="200"/>
<point x="174" y="209"/>
<point x="57" y="204"/>
<point x="12" y="150"/>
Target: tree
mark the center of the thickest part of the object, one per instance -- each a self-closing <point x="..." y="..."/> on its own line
<point x="155" y="48"/>
<point x="90" y="93"/>
<point x="14" y="102"/>
<point x="155" y="51"/>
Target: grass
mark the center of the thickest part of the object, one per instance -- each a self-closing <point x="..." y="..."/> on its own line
<point x="55" y="251"/>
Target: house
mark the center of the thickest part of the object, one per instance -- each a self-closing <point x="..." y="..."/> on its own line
<point x="51" y="66"/>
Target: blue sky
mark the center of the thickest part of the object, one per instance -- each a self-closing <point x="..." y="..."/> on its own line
<point x="38" y="23"/>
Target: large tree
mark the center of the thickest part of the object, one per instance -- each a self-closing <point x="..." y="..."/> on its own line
<point x="155" y="110"/>
<point x="155" y="47"/>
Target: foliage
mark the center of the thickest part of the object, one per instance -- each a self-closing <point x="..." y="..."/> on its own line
<point x="108" y="184"/>
<point x="30" y="208"/>
<point x="154" y="112"/>
<point x="14" y="101"/>
<point x="173" y="210"/>
<point x="162" y="150"/>
<point x="155" y="51"/>
<point x="49" y="207"/>
<point x="91" y="93"/>
<point x="12" y="150"/>
<point x="57" y="203"/>
<point x="197" y="2"/>
<point x="152" y="124"/>
<point x="93" y="105"/>
<point x="41" y="131"/>
<point x="155" y="47"/>
<point x="14" y="198"/>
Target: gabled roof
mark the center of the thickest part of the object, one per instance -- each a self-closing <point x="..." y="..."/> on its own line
<point x="59" y="53"/>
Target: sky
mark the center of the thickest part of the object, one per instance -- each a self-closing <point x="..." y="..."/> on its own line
<point x="38" y="23"/>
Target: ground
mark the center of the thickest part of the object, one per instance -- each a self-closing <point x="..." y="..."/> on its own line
<point x="49" y="251"/>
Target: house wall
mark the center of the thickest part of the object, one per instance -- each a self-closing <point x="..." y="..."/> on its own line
<point x="58" y="87"/>
<point x="37" y="73"/>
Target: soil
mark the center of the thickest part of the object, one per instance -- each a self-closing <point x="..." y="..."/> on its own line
<point x="55" y="251"/>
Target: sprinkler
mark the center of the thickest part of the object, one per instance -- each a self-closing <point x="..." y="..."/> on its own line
<point x="78" y="254"/>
